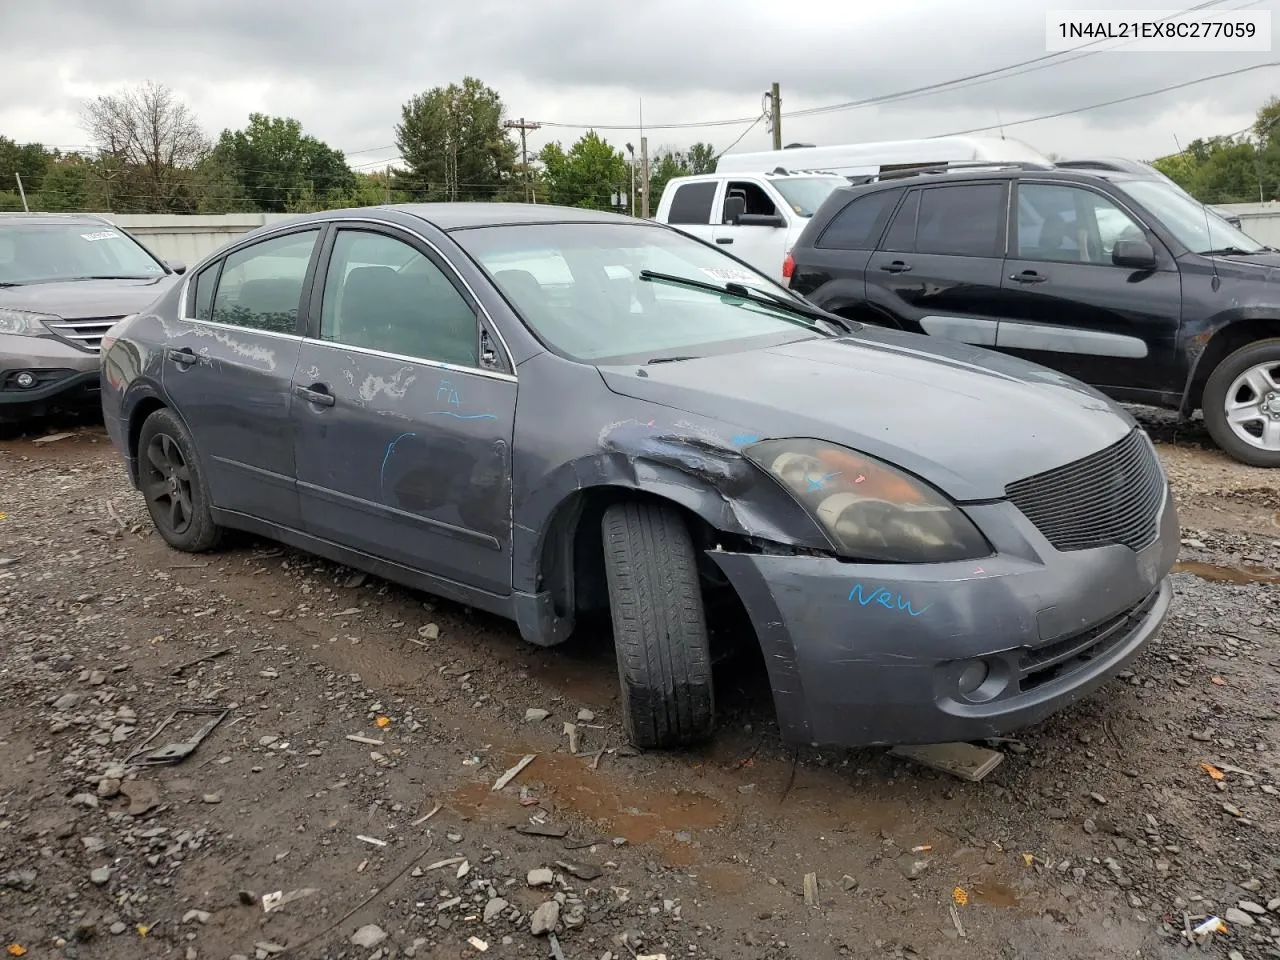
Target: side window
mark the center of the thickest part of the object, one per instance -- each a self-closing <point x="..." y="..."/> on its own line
<point x="692" y="203"/>
<point x="1070" y="224"/>
<point x="962" y="220"/>
<point x="757" y="201"/>
<point x="380" y="293"/>
<point x="206" y="280"/>
<point x="901" y="237"/>
<point x="261" y="285"/>
<point x="859" y="225"/>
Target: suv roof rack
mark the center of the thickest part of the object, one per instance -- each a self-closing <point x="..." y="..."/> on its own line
<point x="933" y="169"/>
<point x="786" y="172"/>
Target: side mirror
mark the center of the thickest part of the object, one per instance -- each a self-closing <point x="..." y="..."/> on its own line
<point x="177" y="266"/>
<point x="762" y="220"/>
<point x="1133" y="253"/>
<point x="734" y="209"/>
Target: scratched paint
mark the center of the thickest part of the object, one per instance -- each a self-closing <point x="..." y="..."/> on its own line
<point x="393" y="387"/>
<point x="386" y="458"/>
<point x="886" y="598"/>
<point x="447" y="393"/>
<point x="744" y="439"/>
<point x="248" y="351"/>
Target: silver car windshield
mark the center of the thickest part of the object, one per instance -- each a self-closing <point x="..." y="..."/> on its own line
<point x="579" y="287"/>
<point x="50" y="252"/>
<point x="1196" y="227"/>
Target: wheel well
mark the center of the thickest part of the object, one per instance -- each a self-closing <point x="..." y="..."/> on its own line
<point x="1223" y="343"/>
<point x="137" y="418"/>
<point x="867" y="313"/>
<point x="571" y="564"/>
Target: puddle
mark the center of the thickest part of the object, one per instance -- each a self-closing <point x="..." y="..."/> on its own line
<point x="995" y="895"/>
<point x="569" y="782"/>
<point x="1245" y="573"/>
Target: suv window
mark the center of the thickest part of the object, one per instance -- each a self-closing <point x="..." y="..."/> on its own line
<point x="1066" y="223"/>
<point x="901" y="237"/>
<point x="382" y="294"/>
<point x="754" y="195"/>
<point x="961" y="220"/>
<point x="692" y="202"/>
<point x="858" y="226"/>
<point x="261" y="284"/>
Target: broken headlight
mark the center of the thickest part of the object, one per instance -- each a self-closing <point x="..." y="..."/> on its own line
<point x="868" y="509"/>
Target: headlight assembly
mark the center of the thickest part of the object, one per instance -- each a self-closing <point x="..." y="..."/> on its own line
<point x="868" y="509"/>
<point x="24" y="324"/>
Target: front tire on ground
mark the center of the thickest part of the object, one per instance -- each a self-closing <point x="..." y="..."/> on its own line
<point x="1242" y="404"/>
<point x="170" y="478"/>
<point x="659" y="626"/>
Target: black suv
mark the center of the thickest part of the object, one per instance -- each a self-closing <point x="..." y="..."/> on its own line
<point x="1118" y="280"/>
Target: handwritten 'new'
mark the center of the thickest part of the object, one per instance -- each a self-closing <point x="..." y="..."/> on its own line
<point x="886" y="598"/>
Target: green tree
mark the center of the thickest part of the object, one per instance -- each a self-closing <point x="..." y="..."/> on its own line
<point x="455" y="146"/>
<point x="701" y="158"/>
<point x="67" y="187"/>
<point x="277" y="166"/>
<point x="29" y="160"/>
<point x="587" y="175"/>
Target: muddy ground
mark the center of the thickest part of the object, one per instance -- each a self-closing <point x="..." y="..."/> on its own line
<point x="1099" y="835"/>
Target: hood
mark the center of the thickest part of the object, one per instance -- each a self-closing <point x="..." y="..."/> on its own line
<point x="967" y="420"/>
<point x="86" y="299"/>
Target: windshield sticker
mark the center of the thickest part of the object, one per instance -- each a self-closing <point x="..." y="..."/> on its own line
<point x="100" y="235"/>
<point x="728" y="273"/>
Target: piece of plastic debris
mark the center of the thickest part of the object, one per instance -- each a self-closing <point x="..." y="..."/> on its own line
<point x="274" y="901"/>
<point x="368" y="741"/>
<point x="451" y="862"/>
<point x="1218" y="681"/>
<point x="478" y="944"/>
<point x="1212" y="925"/>
<point x="960" y="896"/>
<point x="421" y="820"/>
<point x="1213" y="771"/>
<point x="514" y="772"/>
<point x="955" y="919"/>
<point x="17" y="950"/>
<point x="811" y="890"/>
<point x="463" y="869"/>
<point x="1028" y="859"/>
<point x="383" y="722"/>
<point x="923" y="848"/>
<point x="143" y="929"/>
<point x="374" y="840"/>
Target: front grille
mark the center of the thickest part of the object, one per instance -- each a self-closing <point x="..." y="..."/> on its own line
<point x="1109" y="497"/>
<point x="1045" y="664"/>
<point x="84" y="333"/>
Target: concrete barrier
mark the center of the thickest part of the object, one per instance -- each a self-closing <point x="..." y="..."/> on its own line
<point x="189" y="237"/>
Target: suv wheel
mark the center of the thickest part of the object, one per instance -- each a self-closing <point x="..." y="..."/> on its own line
<point x="1242" y="404"/>
<point x="170" y="478"/>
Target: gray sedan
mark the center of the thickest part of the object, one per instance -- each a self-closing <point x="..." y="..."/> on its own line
<point x="544" y="412"/>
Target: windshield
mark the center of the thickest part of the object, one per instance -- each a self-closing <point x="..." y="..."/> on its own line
<point x="1196" y="227"/>
<point x="805" y="194"/>
<point x="578" y="286"/>
<point x="46" y="252"/>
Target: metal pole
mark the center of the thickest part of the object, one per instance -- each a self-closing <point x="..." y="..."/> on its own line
<point x="644" y="177"/>
<point x="775" y="107"/>
<point x="25" y="208"/>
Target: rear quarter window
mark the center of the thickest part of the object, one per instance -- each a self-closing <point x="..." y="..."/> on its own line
<point x="859" y="224"/>
<point x="692" y="203"/>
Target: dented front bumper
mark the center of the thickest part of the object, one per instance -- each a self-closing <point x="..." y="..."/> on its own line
<point x="867" y="654"/>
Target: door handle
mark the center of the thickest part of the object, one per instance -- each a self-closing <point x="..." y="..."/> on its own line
<point x="897" y="266"/>
<point x="724" y="240"/>
<point x="317" y="393"/>
<point x="1027" y="276"/>
<point x="184" y="357"/>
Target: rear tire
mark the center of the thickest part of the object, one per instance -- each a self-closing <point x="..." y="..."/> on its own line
<point x="1229" y="387"/>
<point x="171" y="480"/>
<point x="659" y="626"/>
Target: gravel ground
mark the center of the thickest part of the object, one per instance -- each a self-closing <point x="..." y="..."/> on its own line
<point x="366" y="725"/>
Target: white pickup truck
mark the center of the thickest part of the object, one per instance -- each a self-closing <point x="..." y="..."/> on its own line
<point x="757" y="217"/>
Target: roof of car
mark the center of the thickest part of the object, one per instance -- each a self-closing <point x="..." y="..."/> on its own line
<point x="461" y="215"/>
<point x="53" y="218"/>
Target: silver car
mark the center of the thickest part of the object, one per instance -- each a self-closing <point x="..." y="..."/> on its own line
<point x="64" y="281"/>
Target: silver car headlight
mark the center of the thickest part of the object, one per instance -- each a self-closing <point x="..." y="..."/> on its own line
<point x="867" y="508"/>
<point x="25" y="324"/>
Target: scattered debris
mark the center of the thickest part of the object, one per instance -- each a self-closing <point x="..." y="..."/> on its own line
<point x="545" y="918"/>
<point x="367" y="741"/>
<point x="583" y="871"/>
<point x="955" y="919"/>
<point x="540" y="877"/>
<point x="571" y="731"/>
<point x="368" y="936"/>
<point x="421" y="820"/>
<point x="585" y="716"/>
<point x="441" y="864"/>
<point x="199" y="660"/>
<point x="478" y="944"/>
<point x="959" y="896"/>
<point x="811" y="890"/>
<point x="52" y="438"/>
<point x="511" y="774"/>
<point x="274" y="901"/>
<point x="963" y="760"/>
<point x="374" y="840"/>
<point x="536" y="714"/>
<point x="177" y="752"/>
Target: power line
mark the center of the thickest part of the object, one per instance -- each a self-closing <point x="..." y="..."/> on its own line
<point x="740" y="136"/>
<point x="1112" y="103"/>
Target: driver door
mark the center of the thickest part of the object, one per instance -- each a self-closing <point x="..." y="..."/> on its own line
<point x="764" y="247"/>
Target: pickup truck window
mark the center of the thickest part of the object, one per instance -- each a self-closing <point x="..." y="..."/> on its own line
<point x="692" y="203"/>
<point x="757" y="200"/>
<point x="859" y="225"/>
<point x="806" y="194"/>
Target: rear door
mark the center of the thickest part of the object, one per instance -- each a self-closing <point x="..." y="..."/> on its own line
<point x="229" y="366"/>
<point x="761" y="245"/>
<point x="939" y="266"/>
<point x="832" y="272"/>
<point x="402" y="428"/>
<point x="1070" y="308"/>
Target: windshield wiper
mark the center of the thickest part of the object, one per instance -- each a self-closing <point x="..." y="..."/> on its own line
<point x="110" y="276"/>
<point x="744" y="292"/>
<point x="669" y="359"/>
<point x="1226" y="252"/>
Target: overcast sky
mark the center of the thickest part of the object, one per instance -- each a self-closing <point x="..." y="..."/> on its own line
<point x="344" y="67"/>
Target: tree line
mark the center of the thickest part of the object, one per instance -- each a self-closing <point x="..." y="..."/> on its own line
<point x="148" y="153"/>
<point x="1239" y="168"/>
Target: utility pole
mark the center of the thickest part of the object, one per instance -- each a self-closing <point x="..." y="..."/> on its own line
<point x="775" y="116"/>
<point x="644" y="177"/>
<point x="524" y="127"/>
<point x="25" y="208"/>
<point x="388" y="183"/>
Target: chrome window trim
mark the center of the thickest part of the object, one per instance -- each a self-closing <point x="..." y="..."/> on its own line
<point x="337" y="223"/>
<point x="404" y="358"/>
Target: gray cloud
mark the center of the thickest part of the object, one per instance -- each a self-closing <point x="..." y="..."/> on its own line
<point x="344" y="68"/>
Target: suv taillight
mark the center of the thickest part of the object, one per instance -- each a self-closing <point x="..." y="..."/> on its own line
<point x="788" y="265"/>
